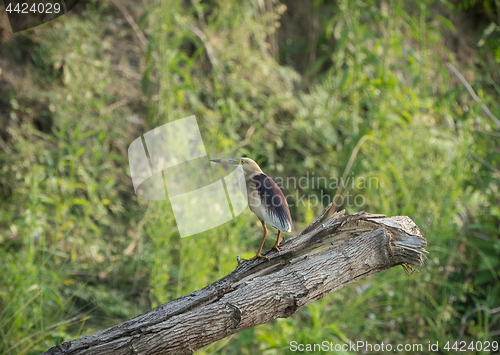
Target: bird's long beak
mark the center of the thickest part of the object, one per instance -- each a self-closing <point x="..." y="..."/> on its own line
<point x="225" y="161"/>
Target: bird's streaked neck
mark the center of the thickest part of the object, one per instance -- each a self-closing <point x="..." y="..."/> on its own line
<point x="249" y="176"/>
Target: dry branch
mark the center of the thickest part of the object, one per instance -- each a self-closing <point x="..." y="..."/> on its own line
<point x="472" y="93"/>
<point x="327" y="255"/>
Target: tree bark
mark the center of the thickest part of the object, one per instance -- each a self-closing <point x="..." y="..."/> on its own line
<point x="327" y="255"/>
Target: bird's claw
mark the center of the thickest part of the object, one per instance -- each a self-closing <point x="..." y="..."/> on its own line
<point x="257" y="256"/>
<point x="275" y="246"/>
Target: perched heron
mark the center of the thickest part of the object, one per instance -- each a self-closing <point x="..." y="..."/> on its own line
<point x="265" y="199"/>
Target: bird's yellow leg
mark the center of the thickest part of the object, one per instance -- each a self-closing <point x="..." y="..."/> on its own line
<point x="275" y="246"/>
<point x="258" y="255"/>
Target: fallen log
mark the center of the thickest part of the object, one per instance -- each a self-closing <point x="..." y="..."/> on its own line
<point x="327" y="255"/>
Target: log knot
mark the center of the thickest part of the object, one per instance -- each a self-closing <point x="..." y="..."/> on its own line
<point x="235" y="316"/>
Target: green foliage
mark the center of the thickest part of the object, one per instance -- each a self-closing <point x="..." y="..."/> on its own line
<point x="79" y="252"/>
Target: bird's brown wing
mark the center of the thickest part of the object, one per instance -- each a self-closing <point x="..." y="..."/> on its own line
<point x="274" y="202"/>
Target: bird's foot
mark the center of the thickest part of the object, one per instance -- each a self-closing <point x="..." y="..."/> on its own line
<point x="275" y="246"/>
<point x="257" y="256"/>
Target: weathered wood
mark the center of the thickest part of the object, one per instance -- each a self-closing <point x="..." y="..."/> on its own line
<point x="324" y="257"/>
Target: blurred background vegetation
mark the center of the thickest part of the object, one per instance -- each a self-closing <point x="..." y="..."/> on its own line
<point x="295" y="85"/>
